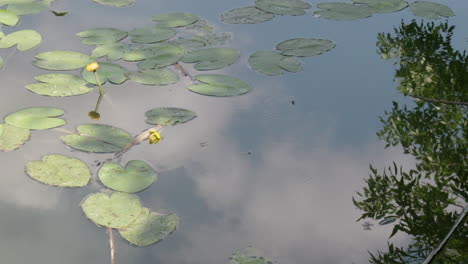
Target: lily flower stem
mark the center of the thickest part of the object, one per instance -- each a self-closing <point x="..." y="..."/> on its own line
<point x="101" y="91"/>
<point x="96" y="109"/>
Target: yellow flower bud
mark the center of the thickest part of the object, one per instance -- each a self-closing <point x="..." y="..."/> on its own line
<point x="92" y="67"/>
<point x="154" y="137"/>
<point x="94" y="115"/>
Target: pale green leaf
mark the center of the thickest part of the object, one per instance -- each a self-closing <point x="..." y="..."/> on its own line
<point x="57" y="84"/>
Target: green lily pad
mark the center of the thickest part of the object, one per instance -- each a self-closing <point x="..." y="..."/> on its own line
<point x="113" y="51"/>
<point x="273" y="63"/>
<point x="12" y="137"/>
<point x="154" y="77"/>
<point x="383" y="6"/>
<point x="23" y="39"/>
<point x="116" y="3"/>
<point x="58" y="170"/>
<point x="149" y="228"/>
<point x="115" y="211"/>
<point x="249" y="255"/>
<point x="136" y="176"/>
<point x="169" y="116"/>
<point x="431" y="10"/>
<point x="97" y="138"/>
<point x="219" y="85"/>
<point x="113" y="73"/>
<point x="211" y="58"/>
<point x="246" y="15"/>
<point x="10" y="2"/>
<point x="8" y="18"/>
<point x="62" y="60"/>
<point x="176" y="19"/>
<point x="57" y="84"/>
<point x="283" y="7"/>
<point x="305" y="47"/>
<point x="152" y="34"/>
<point x="29" y="7"/>
<point x="343" y="11"/>
<point x="36" y="118"/>
<point x="155" y="52"/>
<point x="99" y="36"/>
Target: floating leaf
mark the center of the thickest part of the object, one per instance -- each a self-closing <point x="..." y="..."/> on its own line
<point x="97" y="138"/>
<point x="283" y="7"/>
<point x="384" y="6"/>
<point x="23" y="39"/>
<point x="249" y="255"/>
<point x="273" y="63"/>
<point x="154" y="77"/>
<point x="8" y="18"/>
<point x="430" y="10"/>
<point x="168" y="116"/>
<point x="115" y="211"/>
<point x="246" y="15"/>
<point x="62" y="60"/>
<point x="98" y="36"/>
<point x="212" y="58"/>
<point x="29" y="7"/>
<point x="113" y="51"/>
<point x="136" y="176"/>
<point x="152" y="34"/>
<point x="58" y="84"/>
<point x="58" y="170"/>
<point x="155" y="52"/>
<point x="343" y="11"/>
<point x="219" y="85"/>
<point x="149" y="228"/>
<point x="304" y="47"/>
<point x="59" y="13"/>
<point x="113" y="73"/>
<point x="116" y="3"/>
<point x="12" y="137"/>
<point x="36" y="118"/>
<point x="176" y="19"/>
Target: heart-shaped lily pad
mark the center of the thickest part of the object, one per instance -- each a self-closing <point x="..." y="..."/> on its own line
<point x="154" y="76"/>
<point x="343" y="11"/>
<point x="36" y="118"/>
<point x="383" y="6"/>
<point x="58" y="170"/>
<point x="430" y="10"/>
<point x="283" y="7"/>
<point x="219" y="85"/>
<point x="136" y="176"/>
<point x="211" y="58"/>
<point x="168" y="116"/>
<point x="8" y="18"/>
<point x="304" y="47"/>
<point x="115" y="211"/>
<point x="30" y="7"/>
<point x="167" y="52"/>
<point x="273" y="63"/>
<point x="176" y="19"/>
<point x="116" y="3"/>
<point x="98" y="36"/>
<point x="149" y="228"/>
<point x="113" y="73"/>
<point x="152" y="34"/>
<point x="12" y="137"/>
<point x="57" y="84"/>
<point x="246" y="15"/>
<point x="98" y="138"/>
<point x="23" y="39"/>
<point x="113" y="51"/>
<point x="62" y="60"/>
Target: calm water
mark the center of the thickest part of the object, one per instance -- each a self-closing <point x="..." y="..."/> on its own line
<point x="290" y="197"/>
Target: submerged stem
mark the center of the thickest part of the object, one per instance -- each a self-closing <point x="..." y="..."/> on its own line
<point x="111" y="245"/>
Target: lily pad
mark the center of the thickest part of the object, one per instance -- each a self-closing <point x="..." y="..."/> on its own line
<point x="161" y="52"/>
<point x="36" y="118"/>
<point x="169" y="116"/>
<point x="176" y="19"/>
<point x="113" y="51"/>
<point x="149" y="228"/>
<point x="343" y="11"/>
<point x="152" y="34"/>
<point x="431" y="10"/>
<point x="211" y="58"/>
<point x="113" y="73"/>
<point x="273" y="63"/>
<point x="57" y="84"/>
<point x="12" y="137"/>
<point x="8" y="18"/>
<point x="115" y="211"/>
<point x="283" y="7"/>
<point x="97" y="138"/>
<point x="304" y="47"/>
<point x="246" y="15"/>
<point x="249" y="255"/>
<point x="154" y="77"/>
<point x="58" y="170"/>
<point x="23" y="39"/>
<point x="29" y="7"/>
<point x="219" y="85"/>
<point x="98" y="36"/>
<point x="62" y="60"/>
<point x="383" y="6"/>
<point x="136" y="176"/>
<point x="116" y="3"/>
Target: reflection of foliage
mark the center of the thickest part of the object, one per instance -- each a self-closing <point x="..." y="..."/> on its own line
<point x="421" y="202"/>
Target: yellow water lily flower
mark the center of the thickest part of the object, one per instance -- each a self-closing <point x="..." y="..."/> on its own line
<point x="154" y="137"/>
<point x="92" y="67"/>
<point x="94" y="115"/>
